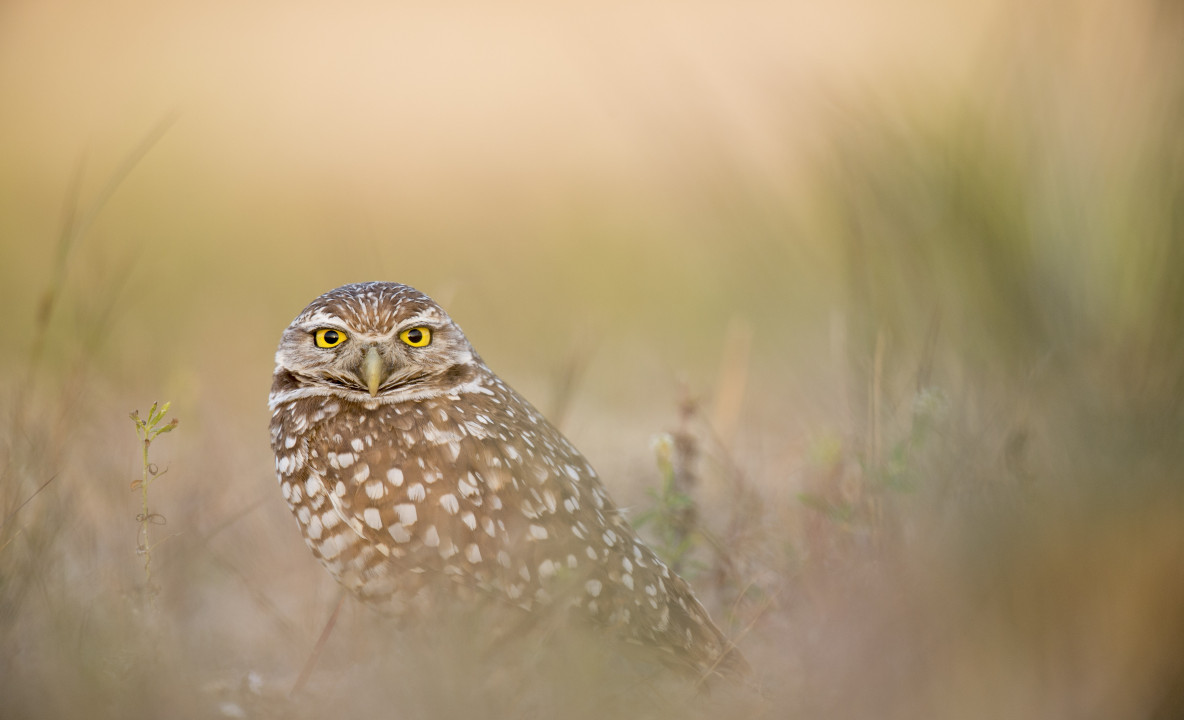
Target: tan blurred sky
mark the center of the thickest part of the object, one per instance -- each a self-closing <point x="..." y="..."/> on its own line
<point x="422" y="96"/>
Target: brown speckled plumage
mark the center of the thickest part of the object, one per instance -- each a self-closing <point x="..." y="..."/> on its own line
<point x="443" y="471"/>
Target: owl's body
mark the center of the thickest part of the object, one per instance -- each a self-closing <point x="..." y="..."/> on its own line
<point x="412" y="467"/>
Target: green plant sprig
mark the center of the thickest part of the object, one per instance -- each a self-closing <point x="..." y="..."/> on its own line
<point x="148" y="429"/>
<point x="672" y="516"/>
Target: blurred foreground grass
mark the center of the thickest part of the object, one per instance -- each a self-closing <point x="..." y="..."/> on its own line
<point x="931" y="391"/>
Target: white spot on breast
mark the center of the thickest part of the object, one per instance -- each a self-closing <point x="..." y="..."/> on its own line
<point x="343" y="541"/>
<point x="487" y="524"/>
<point x="609" y="537"/>
<point x="625" y="563"/>
<point x="329" y="549"/>
<point x="449" y="503"/>
<point x="593" y="587"/>
<point x="454" y="450"/>
<point x="339" y="489"/>
<point x="599" y="498"/>
<point x="549" y="500"/>
<point x="395" y="476"/>
<point x="315" y="528"/>
<point x="466" y="488"/>
<point x="538" y="532"/>
<point x="469" y="519"/>
<point x="503" y="558"/>
<point x="290" y="441"/>
<point x="572" y="561"/>
<point x="546" y="569"/>
<point x="627" y="580"/>
<point x="416" y="492"/>
<point x="590" y="552"/>
<point x="313" y="485"/>
<point x="399" y="533"/>
<point x="286" y="489"/>
<point x="357" y="444"/>
<point x="372" y="517"/>
<point x="375" y="489"/>
<point x="571" y="504"/>
<point x="651" y="590"/>
<point x="361" y="473"/>
<point x="473" y="553"/>
<point x="407" y="514"/>
<point x="302" y="514"/>
<point x="512" y="452"/>
<point x="431" y="537"/>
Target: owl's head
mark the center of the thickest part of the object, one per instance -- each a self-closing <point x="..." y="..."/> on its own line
<point x="372" y="341"/>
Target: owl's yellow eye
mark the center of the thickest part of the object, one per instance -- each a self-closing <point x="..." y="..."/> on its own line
<point x="416" y="336"/>
<point x="328" y="337"/>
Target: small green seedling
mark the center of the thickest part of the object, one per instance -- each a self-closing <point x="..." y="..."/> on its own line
<point x="148" y="430"/>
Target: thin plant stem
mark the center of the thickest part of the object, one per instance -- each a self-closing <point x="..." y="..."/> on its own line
<point x="148" y="429"/>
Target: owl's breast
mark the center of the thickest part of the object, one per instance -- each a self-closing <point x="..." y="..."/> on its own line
<point x="392" y="498"/>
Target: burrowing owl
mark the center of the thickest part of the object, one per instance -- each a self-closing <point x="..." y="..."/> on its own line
<point x="406" y="461"/>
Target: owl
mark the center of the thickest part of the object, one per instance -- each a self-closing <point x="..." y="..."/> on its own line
<point x="410" y="467"/>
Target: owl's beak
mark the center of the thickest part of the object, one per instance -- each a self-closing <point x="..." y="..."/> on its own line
<point x="373" y="370"/>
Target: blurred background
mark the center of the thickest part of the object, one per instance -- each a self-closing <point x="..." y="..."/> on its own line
<point x="894" y="293"/>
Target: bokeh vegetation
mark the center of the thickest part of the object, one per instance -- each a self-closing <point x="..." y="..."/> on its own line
<point x="901" y="294"/>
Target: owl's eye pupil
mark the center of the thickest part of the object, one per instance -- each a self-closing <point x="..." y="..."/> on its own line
<point x="330" y="336"/>
<point x="415" y="335"/>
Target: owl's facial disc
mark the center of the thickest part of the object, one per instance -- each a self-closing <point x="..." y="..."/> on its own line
<point x="378" y="342"/>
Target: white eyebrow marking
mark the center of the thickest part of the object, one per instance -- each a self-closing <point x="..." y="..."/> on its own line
<point x="321" y="319"/>
<point x="431" y="320"/>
